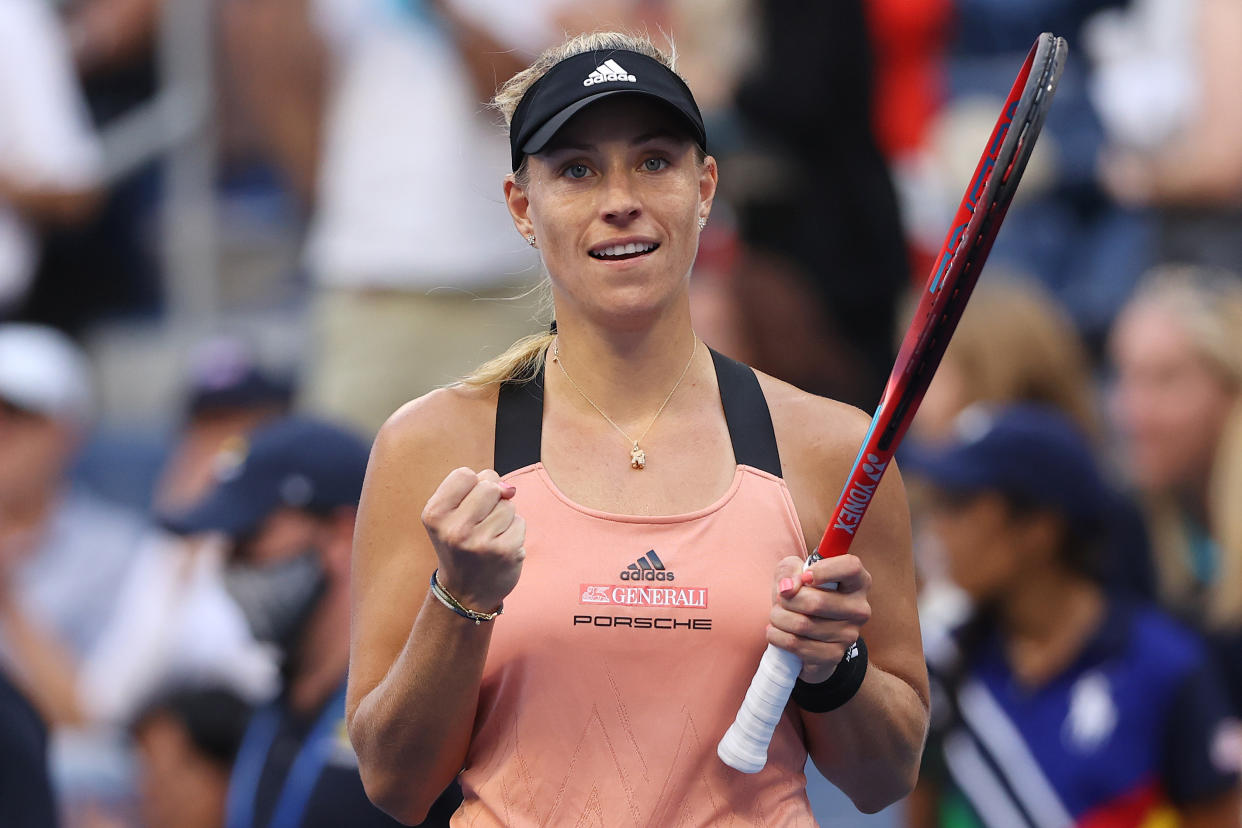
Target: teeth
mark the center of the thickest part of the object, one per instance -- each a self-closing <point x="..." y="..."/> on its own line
<point x="624" y="249"/>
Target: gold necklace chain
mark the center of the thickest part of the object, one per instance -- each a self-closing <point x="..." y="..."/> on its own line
<point x="638" y="457"/>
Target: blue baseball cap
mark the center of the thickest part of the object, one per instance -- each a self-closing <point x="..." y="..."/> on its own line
<point x="296" y="462"/>
<point x="1033" y="454"/>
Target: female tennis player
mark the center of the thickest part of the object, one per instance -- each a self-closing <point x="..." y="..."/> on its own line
<point x="614" y="520"/>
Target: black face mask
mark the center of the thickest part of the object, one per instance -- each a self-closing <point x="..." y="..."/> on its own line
<point x="277" y="599"/>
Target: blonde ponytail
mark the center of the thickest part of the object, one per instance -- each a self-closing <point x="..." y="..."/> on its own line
<point x="521" y="362"/>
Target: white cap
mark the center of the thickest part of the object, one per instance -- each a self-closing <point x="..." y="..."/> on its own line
<point x="43" y="371"/>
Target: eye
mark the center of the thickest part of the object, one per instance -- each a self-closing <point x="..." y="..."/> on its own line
<point x="576" y="171"/>
<point x="655" y="164"/>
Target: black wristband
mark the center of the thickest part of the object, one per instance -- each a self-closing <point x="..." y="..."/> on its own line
<point x="838" y="688"/>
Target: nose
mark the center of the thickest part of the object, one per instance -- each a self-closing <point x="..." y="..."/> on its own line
<point x="620" y="204"/>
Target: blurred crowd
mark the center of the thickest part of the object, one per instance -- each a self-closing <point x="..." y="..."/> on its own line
<point x="291" y="211"/>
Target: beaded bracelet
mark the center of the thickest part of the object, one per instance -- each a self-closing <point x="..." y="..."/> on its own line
<point x="446" y="598"/>
<point x="838" y="688"/>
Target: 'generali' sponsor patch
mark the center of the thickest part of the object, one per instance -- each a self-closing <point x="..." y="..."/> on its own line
<point x="624" y="595"/>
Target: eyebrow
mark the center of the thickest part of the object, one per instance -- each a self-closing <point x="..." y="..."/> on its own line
<point x="558" y="146"/>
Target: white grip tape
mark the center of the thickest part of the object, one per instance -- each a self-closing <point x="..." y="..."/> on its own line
<point x="745" y="745"/>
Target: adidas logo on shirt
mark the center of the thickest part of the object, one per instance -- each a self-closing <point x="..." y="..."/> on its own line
<point x="607" y="71"/>
<point x="647" y="568"/>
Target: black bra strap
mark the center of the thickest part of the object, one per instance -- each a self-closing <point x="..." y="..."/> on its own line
<point x="519" y="420"/>
<point x="746" y="412"/>
<point x="519" y="424"/>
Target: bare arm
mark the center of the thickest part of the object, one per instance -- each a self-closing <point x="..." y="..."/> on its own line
<point x="1203" y="165"/>
<point x="46" y="204"/>
<point x="107" y="33"/>
<point x="415" y="666"/>
<point x="871" y="746"/>
<point x="488" y="62"/>
<point x="278" y="66"/>
<point x="45" y="668"/>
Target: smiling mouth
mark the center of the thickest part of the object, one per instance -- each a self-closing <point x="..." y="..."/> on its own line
<point x="620" y="252"/>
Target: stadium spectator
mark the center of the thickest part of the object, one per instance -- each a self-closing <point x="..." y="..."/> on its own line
<point x="286" y="499"/>
<point x="188" y="738"/>
<point x="97" y="607"/>
<point x="823" y="260"/>
<point x="1056" y="704"/>
<point x="228" y="394"/>
<point x="1165" y="85"/>
<point x="66" y="551"/>
<point x="1177" y="350"/>
<point x="1015" y="344"/>
<point x="49" y="158"/>
<point x="410" y="250"/>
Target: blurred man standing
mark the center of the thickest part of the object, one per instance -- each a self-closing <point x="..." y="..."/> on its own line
<point x="64" y="553"/>
<point x="286" y="499"/>
<point x="409" y="247"/>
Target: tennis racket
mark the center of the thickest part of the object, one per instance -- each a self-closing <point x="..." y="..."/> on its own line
<point x="952" y="278"/>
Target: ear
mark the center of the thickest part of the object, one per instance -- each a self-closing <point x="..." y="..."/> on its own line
<point x="518" y="203"/>
<point x="708" y="178"/>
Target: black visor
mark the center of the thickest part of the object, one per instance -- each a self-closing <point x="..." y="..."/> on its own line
<point x="578" y="81"/>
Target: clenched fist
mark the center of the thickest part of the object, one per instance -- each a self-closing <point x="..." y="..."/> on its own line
<point x="478" y="536"/>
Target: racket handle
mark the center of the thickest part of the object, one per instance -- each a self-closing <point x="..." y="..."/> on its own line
<point x="745" y="745"/>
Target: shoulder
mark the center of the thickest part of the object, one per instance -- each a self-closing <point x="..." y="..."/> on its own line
<point x="1170" y="648"/>
<point x="818" y="439"/>
<point x="453" y="425"/>
<point x="826" y="429"/>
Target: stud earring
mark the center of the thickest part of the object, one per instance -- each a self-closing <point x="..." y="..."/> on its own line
<point x="702" y="222"/>
<point x="530" y="239"/>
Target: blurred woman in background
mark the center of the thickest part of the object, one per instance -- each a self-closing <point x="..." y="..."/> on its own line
<point x="1013" y="344"/>
<point x="1177" y="349"/>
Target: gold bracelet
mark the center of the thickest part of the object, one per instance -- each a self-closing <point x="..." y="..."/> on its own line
<point x="446" y="598"/>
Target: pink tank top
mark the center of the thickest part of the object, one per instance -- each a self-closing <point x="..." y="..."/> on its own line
<point x="627" y="646"/>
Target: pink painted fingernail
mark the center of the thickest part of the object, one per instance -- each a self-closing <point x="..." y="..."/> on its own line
<point x="808" y="577"/>
<point x="507" y="489"/>
<point x="786" y="584"/>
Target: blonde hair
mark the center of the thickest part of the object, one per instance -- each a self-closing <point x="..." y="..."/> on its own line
<point x="1014" y="343"/>
<point x="525" y="358"/>
<point x="1207" y="306"/>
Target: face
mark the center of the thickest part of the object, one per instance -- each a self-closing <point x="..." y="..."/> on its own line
<point x="33" y="452"/>
<point x="280" y="573"/>
<point x="179" y="786"/>
<point x="978" y="545"/>
<point x="614" y="202"/>
<point x="1169" y="403"/>
<point x="283" y="535"/>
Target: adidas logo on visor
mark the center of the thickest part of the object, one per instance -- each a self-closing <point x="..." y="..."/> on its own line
<point x="607" y="71"/>
<point x="647" y="568"/>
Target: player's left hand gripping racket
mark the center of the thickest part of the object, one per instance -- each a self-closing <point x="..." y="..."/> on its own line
<point x="953" y="276"/>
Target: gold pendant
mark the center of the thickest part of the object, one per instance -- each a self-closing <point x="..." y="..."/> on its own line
<point x="638" y="458"/>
